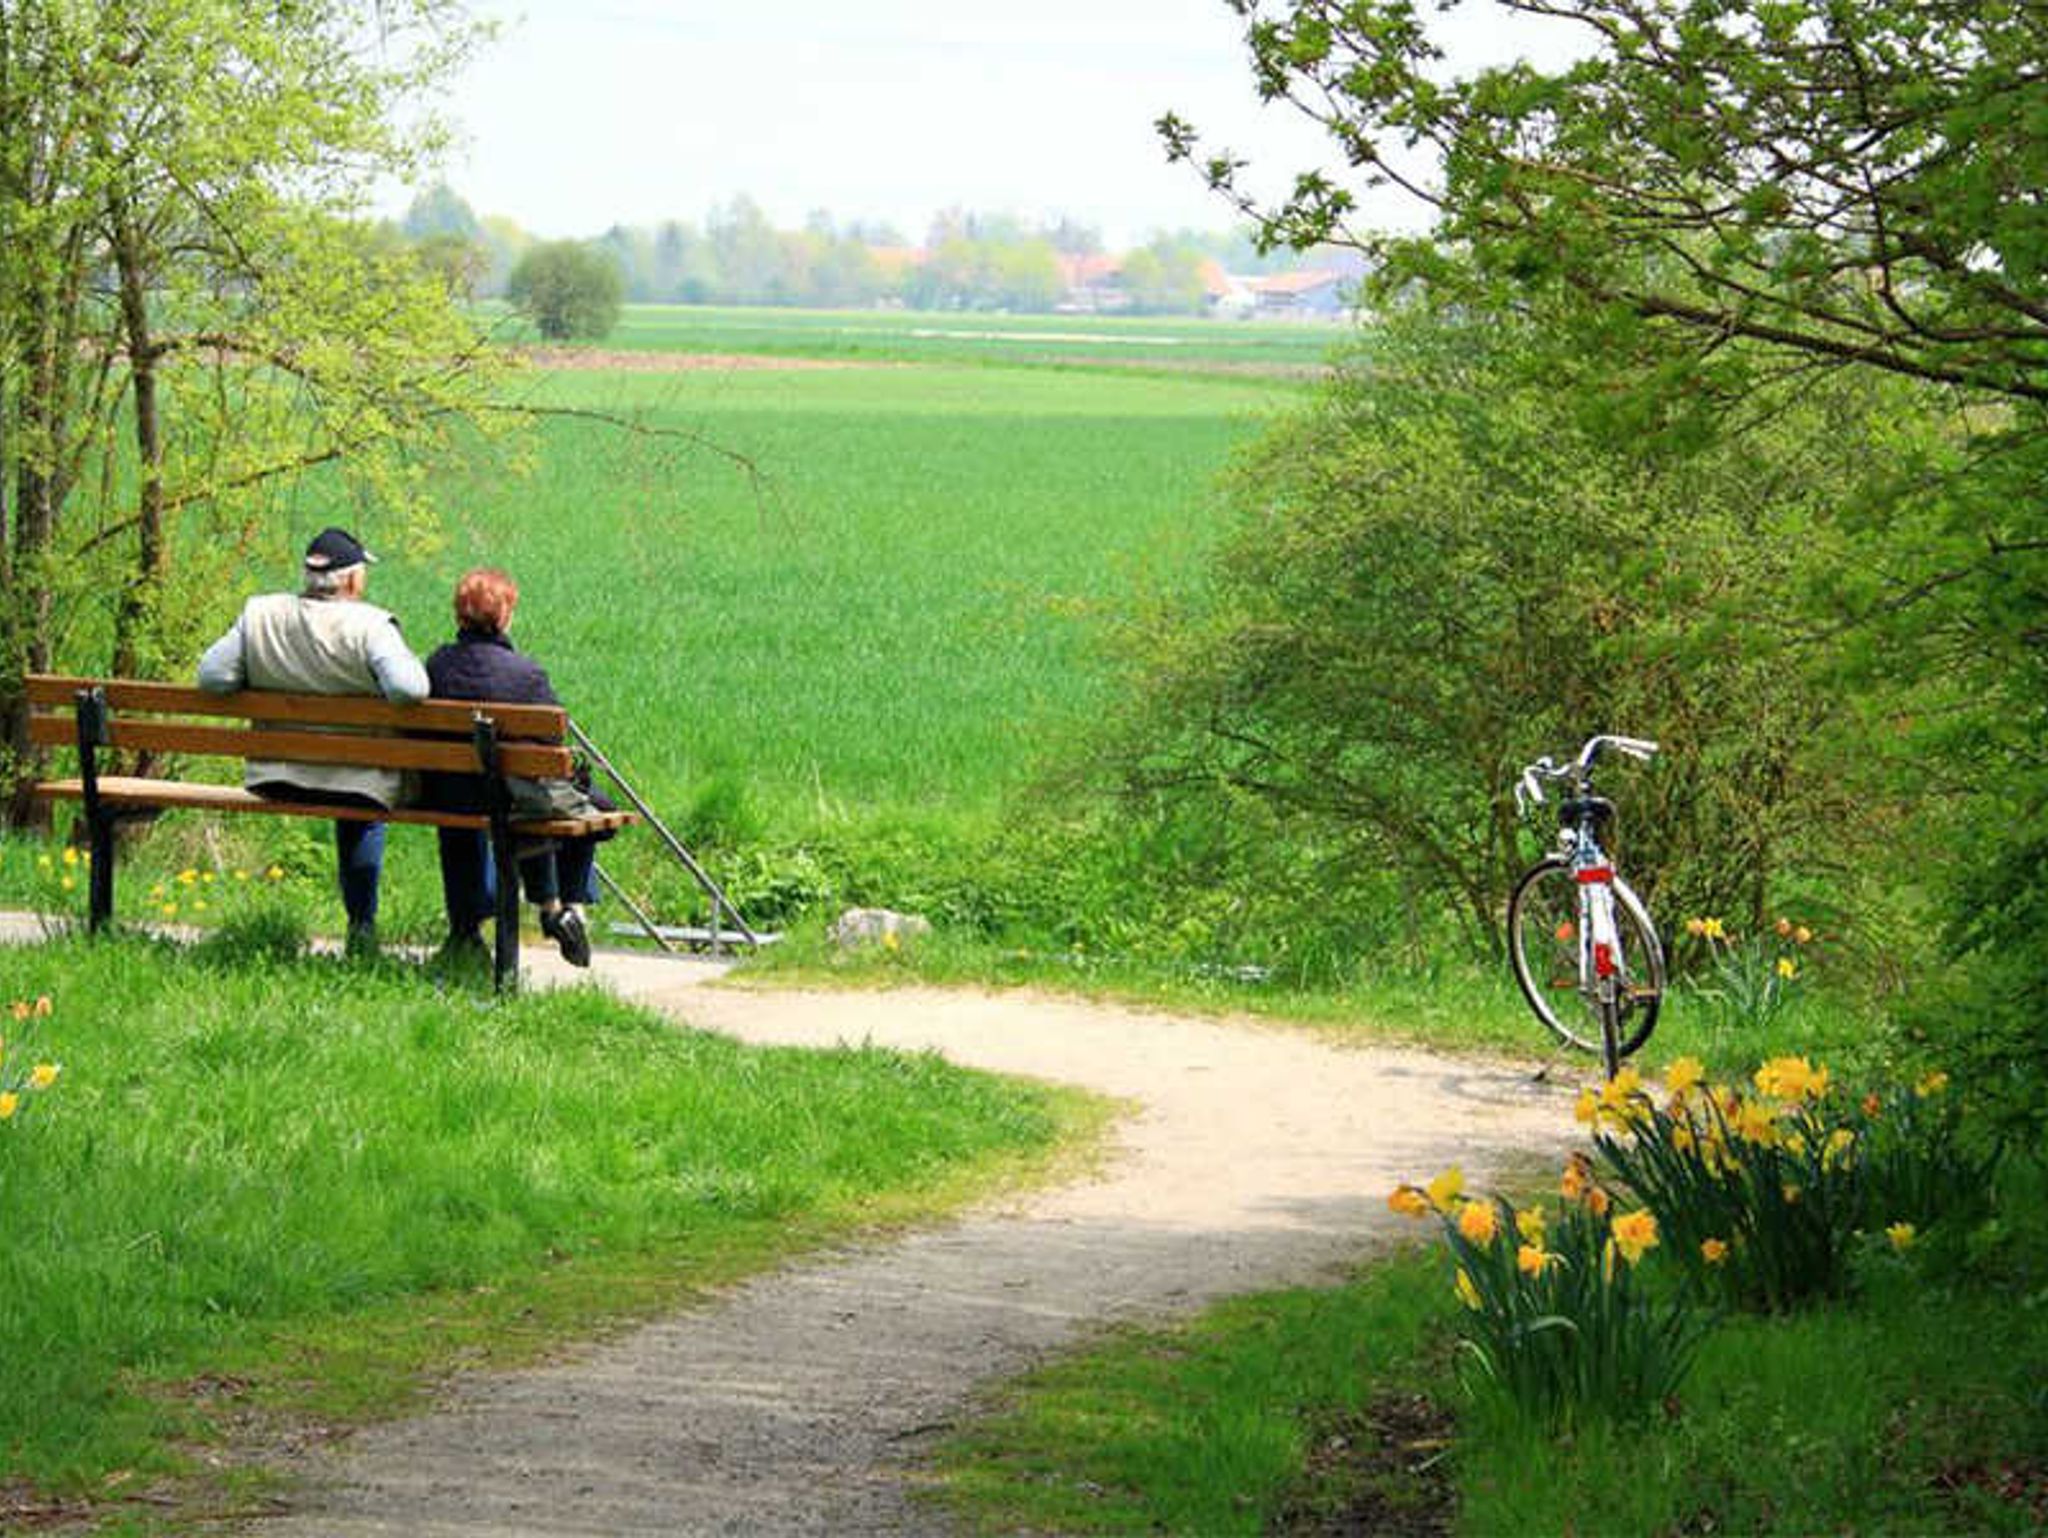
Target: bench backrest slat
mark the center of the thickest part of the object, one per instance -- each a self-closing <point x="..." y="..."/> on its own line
<point x="540" y="723"/>
<point x="535" y="761"/>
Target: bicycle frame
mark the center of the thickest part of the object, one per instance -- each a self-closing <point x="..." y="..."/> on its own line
<point x="1603" y="979"/>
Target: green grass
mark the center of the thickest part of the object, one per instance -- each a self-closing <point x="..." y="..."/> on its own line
<point x="262" y="1169"/>
<point x="1920" y="1408"/>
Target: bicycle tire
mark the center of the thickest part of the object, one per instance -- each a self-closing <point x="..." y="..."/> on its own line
<point x="1543" y="918"/>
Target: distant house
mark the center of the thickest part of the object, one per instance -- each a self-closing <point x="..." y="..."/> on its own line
<point x="1318" y="294"/>
<point x="1090" y="284"/>
<point x="1230" y="297"/>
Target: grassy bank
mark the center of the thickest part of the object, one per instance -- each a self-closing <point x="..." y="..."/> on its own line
<point x="318" y="1180"/>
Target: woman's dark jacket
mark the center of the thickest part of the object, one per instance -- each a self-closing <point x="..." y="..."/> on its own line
<point x="480" y="666"/>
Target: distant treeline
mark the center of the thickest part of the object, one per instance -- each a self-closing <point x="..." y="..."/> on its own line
<point x="964" y="260"/>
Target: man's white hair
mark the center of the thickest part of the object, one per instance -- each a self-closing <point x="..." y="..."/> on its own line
<point x="326" y="584"/>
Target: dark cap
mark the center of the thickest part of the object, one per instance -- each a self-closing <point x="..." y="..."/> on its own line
<point x="335" y="550"/>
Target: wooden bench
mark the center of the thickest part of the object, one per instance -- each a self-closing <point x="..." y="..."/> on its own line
<point x="474" y="737"/>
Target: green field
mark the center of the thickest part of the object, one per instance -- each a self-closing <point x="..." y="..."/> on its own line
<point x="1163" y="344"/>
<point x="858" y="603"/>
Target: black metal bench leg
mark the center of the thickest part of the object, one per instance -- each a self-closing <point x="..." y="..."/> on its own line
<point x="99" y="822"/>
<point x="504" y="856"/>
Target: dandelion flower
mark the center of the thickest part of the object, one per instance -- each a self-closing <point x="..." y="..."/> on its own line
<point x="1714" y="1251"/>
<point x="43" y="1075"/>
<point x="1933" y="1084"/>
<point x="67" y="883"/>
<point x="1634" y="1233"/>
<point x="1901" y="1235"/>
<point x="70" y="854"/>
<point x="43" y="1006"/>
<point x="19" y="1009"/>
<point x="241" y="875"/>
<point x="1478" y="1222"/>
<point x="275" y="873"/>
<point x="1802" y="934"/>
<point x="1787" y="968"/>
<point x="43" y="862"/>
<point x="187" y="876"/>
<point x="1445" y="1188"/>
<point x="170" y="910"/>
<point x="10" y="1102"/>
<point x="1695" y="927"/>
<point x="1409" y="1201"/>
<point x="1712" y="929"/>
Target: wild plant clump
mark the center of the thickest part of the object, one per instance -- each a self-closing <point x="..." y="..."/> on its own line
<point x="1768" y="1193"/>
<point x="1756" y="1199"/>
<point x="1558" y="1324"/>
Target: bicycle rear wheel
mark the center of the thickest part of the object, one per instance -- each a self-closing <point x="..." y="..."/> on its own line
<point x="1543" y="945"/>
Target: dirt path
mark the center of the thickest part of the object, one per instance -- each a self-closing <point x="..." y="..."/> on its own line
<point x="1255" y="1158"/>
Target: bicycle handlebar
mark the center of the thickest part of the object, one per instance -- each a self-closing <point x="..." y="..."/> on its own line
<point x="1529" y="788"/>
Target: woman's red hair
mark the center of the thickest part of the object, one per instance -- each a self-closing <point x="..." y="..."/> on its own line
<point x="484" y="600"/>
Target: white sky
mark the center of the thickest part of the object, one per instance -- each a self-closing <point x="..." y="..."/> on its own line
<point x="588" y="114"/>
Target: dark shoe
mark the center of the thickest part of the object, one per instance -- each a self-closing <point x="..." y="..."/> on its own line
<point x="361" y="944"/>
<point x="567" y="929"/>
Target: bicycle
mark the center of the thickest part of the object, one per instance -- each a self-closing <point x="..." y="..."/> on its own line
<point x="1575" y="926"/>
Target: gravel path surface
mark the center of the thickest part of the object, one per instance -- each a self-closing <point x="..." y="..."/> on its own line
<point x="1253" y="1158"/>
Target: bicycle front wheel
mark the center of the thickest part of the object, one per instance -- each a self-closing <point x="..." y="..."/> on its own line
<point x="1544" y="945"/>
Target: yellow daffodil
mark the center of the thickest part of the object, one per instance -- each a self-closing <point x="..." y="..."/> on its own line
<point x="10" y="1102"/>
<point x="1587" y="1107"/>
<point x="43" y="1075"/>
<point x="19" y="1009"/>
<point x="1634" y="1233"/>
<point x="1802" y="934"/>
<point x="1901" y="1235"/>
<point x="1712" y="929"/>
<point x="1783" y="926"/>
<point x="1478" y="1222"/>
<point x="1792" y="1078"/>
<point x="1530" y="1260"/>
<point x="1446" y="1188"/>
<point x="1836" y="1150"/>
<point x="1754" y="1123"/>
<point x="1529" y="1224"/>
<point x="1681" y="1137"/>
<point x="1578" y="1178"/>
<point x="1714" y="1251"/>
<point x="1596" y="1202"/>
<point x="1684" y="1075"/>
<point x="1791" y="1193"/>
<point x="1467" y="1293"/>
<point x="1695" y="927"/>
<point x="1409" y="1201"/>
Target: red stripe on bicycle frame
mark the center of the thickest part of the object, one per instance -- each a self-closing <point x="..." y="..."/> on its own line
<point x="1603" y="960"/>
<point x="1595" y="875"/>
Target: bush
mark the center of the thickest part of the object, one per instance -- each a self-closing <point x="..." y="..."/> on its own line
<point x="568" y="289"/>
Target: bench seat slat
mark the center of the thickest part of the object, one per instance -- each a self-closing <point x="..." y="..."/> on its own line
<point x="129" y="790"/>
<point x="531" y="760"/>
<point x="545" y="723"/>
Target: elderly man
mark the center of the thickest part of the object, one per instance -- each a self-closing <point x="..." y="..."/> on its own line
<point x="325" y="639"/>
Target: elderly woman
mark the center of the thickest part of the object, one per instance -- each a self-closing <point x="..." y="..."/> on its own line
<point x="558" y="875"/>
